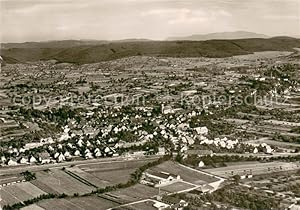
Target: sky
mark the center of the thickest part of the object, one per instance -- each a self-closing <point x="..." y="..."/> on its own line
<point x="41" y="20"/>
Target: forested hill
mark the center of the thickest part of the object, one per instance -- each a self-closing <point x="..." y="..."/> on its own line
<point x="90" y="53"/>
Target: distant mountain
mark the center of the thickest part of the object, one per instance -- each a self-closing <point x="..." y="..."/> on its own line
<point x="64" y="43"/>
<point x="53" y="44"/>
<point x="132" y="40"/>
<point x="114" y="50"/>
<point x="221" y="35"/>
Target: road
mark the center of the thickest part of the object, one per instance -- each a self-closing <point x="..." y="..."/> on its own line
<point x="254" y="168"/>
<point x="273" y="142"/>
<point x="284" y="154"/>
<point x="32" y="168"/>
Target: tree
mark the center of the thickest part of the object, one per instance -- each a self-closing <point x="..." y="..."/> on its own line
<point x="237" y="178"/>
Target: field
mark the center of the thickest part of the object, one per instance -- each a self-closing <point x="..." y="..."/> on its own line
<point x="4" y="179"/>
<point x="88" y="177"/>
<point x="177" y="187"/>
<point x="253" y="168"/>
<point x="104" y="174"/>
<point x="131" y="194"/>
<point x="33" y="207"/>
<point x="88" y="202"/>
<point x="185" y="173"/>
<point x="146" y="205"/>
<point x="19" y="192"/>
<point x="57" y="181"/>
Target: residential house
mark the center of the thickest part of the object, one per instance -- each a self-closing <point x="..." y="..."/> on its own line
<point x="44" y="158"/>
<point x="60" y="158"/>
<point x="11" y="162"/>
<point x="23" y="160"/>
<point x="32" y="159"/>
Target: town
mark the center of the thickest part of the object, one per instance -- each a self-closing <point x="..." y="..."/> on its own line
<point x="146" y="132"/>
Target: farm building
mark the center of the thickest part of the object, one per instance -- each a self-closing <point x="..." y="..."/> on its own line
<point x="158" y="179"/>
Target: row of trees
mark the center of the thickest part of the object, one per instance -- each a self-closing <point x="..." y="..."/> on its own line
<point x="28" y="175"/>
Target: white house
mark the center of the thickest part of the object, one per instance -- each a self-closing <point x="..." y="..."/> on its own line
<point x="60" y="158"/>
<point x="21" y="150"/>
<point x="88" y="155"/>
<point x="70" y="145"/>
<point x="23" y="160"/>
<point x="98" y="154"/>
<point x="201" y="164"/>
<point x="88" y="144"/>
<point x="50" y="148"/>
<point x="80" y="143"/>
<point x="12" y="163"/>
<point x="77" y="153"/>
<point x="67" y="154"/>
<point x="106" y="150"/>
<point x="3" y="159"/>
<point x="56" y="155"/>
<point x="202" y="130"/>
<point x="160" y="205"/>
<point x="87" y="151"/>
<point x="32" y="159"/>
<point x="59" y="146"/>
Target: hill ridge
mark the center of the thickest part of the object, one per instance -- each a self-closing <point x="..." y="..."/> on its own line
<point x="110" y="51"/>
<point x="219" y="36"/>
